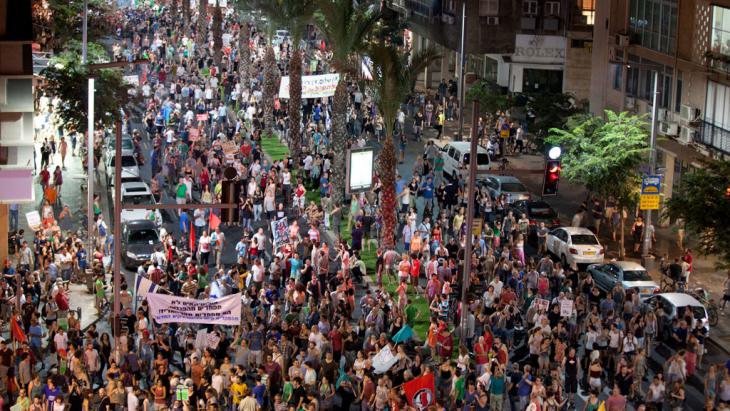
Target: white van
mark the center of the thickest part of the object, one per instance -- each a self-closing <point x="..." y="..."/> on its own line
<point x="456" y="157"/>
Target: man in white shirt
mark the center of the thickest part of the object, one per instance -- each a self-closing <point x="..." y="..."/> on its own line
<point x="60" y="340"/>
<point x="133" y="400"/>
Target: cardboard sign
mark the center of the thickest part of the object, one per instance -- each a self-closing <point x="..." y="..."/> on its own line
<point x="566" y="308"/>
<point x="169" y="308"/>
<point x="194" y="134"/>
<point x="542" y="304"/>
<point x="280" y="229"/>
<point x="34" y="220"/>
<point x="202" y="117"/>
<point x="321" y="85"/>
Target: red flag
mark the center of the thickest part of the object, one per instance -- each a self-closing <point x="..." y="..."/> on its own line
<point x="215" y="221"/>
<point x="16" y="331"/>
<point x="420" y="392"/>
<point x="192" y="237"/>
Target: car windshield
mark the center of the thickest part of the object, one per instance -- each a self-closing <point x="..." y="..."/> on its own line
<point x="542" y="212"/>
<point x="636" y="275"/>
<point x="513" y="187"/>
<point x="141" y="199"/>
<point x="142" y="237"/>
<point x="584" y="239"/>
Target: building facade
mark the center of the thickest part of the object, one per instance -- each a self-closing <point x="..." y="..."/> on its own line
<point x="688" y="43"/>
<point x="16" y="110"/>
<point x="523" y="45"/>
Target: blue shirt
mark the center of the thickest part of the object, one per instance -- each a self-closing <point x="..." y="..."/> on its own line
<point x="258" y="392"/>
<point x="296" y="264"/>
<point x="184" y="222"/>
<point x="36" y="335"/>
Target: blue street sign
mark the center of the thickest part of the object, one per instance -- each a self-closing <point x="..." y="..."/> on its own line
<point x="651" y="184"/>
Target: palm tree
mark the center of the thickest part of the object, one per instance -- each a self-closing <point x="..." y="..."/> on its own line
<point x="271" y="89"/>
<point x="294" y="15"/>
<point x="244" y="54"/>
<point x="202" y="25"/>
<point x="394" y="77"/>
<point x="186" y="13"/>
<point x="346" y="27"/>
<point x="217" y="34"/>
<point x="173" y="11"/>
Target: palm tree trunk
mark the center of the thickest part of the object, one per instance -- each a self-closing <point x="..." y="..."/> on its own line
<point x="202" y="35"/>
<point x="386" y="170"/>
<point x="339" y="142"/>
<point x="173" y="11"/>
<point x="244" y="56"/>
<point x="295" y="104"/>
<point x="271" y="87"/>
<point x="217" y="35"/>
<point x="186" y="13"/>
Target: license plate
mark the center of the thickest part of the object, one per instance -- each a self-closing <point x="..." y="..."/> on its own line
<point x="589" y="253"/>
<point x="645" y="291"/>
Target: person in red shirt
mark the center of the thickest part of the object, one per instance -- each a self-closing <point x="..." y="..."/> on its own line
<point x="481" y="352"/>
<point x="445" y="344"/>
<point x="415" y="271"/>
<point x="508" y="296"/>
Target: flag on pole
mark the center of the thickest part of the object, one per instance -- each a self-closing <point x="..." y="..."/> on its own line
<point x="215" y="221"/>
<point x="420" y="392"/>
<point x="144" y="286"/>
<point x="16" y="331"/>
<point x="403" y="335"/>
<point x="192" y="237"/>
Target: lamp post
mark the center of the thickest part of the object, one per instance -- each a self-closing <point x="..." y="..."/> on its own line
<point x="462" y="60"/>
<point x="646" y="246"/>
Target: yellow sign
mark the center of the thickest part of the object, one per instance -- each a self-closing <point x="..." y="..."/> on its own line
<point x="476" y="227"/>
<point x="649" y="202"/>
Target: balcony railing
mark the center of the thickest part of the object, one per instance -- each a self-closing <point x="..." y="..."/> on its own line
<point x="715" y="137"/>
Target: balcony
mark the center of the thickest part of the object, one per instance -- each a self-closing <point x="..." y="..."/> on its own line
<point x="715" y="137"/>
<point x="718" y="61"/>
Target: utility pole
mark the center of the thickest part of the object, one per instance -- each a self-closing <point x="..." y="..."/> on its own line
<point x="469" y="221"/>
<point x="89" y="138"/>
<point x="116" y="244"/>
<point x="646" y="246"/>
<point x="462" y="60"/>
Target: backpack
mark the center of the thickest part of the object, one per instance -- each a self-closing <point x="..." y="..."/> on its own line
<point x="102" y="229"/>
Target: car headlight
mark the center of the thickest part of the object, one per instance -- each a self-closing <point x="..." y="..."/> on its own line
<point x="131" y="255"/>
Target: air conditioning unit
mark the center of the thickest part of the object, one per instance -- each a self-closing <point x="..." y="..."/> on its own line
<point x="661" y="114"/>
<point x="689" y="114"/>
<point x="668" y="129"/>
<point x="629" y="103"/>
<point x="686" y="135"/>
<point x="492" y="20"/>
<point x="447" y="18"/>
<point x="622" y="40"/>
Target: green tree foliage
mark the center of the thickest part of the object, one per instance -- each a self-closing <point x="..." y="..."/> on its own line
<point x="66" y="79"/>
<point x="491" y="97"/>
<point x="603" y="154"/>
<point x="703" y="201"/>
<point x="551" y="110"/>
<point x="67" y="20"/>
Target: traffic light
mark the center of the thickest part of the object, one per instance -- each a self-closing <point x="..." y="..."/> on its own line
<point x="727" y="192"/>
<point x="552" y="178"/>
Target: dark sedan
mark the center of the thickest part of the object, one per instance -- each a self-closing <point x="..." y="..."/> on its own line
<point x="537" y="212"/>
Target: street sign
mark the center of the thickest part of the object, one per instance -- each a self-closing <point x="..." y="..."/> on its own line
<point x="651" y="185"/>
<point x="649" y="202"/>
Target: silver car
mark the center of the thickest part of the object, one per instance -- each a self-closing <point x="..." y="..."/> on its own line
<point x="628" y="273"/>
<point x="510" y="186"/>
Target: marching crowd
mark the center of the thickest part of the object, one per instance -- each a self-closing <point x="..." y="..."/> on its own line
<point x="313" y="332"/>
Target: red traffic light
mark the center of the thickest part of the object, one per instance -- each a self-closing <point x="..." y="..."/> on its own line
<point x="552" y="177"/>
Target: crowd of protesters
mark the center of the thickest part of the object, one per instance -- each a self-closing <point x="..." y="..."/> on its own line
<point x="312" y="325"/>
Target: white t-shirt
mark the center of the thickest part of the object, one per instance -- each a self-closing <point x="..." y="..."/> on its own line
<point x="286" y="178"/>
<point x="61" y="341"/>
<point x="132" y="402"/>
<point x="204" y="244"/>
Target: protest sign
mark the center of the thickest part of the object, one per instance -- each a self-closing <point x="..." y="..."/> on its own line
<point x="202" y="117"/>
<point x="280" y="230"/>
<point x="542" y="304"/>
<point x="383" y="360"/>
<point x="34" y="220"/>
<point x="566" y="308"/>
<point x="194" y="134"/>
<point x="172" y="309"/>
<point x="322" y="85"/>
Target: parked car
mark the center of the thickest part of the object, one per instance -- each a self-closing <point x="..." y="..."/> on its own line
<point x="139" y="239"/>
<point x="537" y="212"/>
<point x="130" y="169"/>
<point x="110" y="145"/>
<point x="138" y="193"/>
<point x="456" y="158"/>
<point x="672" y="303"/>
<point x="575" y="246"/>
<point x="510" y="186"/>
<point x="628" y="273"/>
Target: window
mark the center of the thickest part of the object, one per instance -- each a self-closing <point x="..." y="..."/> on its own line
<point x="588" y="10"/>
<point x="488" y="7"/>
<point x="450" y="6"/>
<point x="716" y="132"/>
<point x="721" y="30"/>
<point x="552" y="8"/>
<point x="653" y="24"/>
<point x="678" y="92"/>
<point x="617" y="76"/>
<point x="529" y="7"/>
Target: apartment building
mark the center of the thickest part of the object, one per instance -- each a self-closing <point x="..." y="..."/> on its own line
<point x="523" y="45"/>
<point x="16" y="110"/>
<point x="688" y="43"/>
